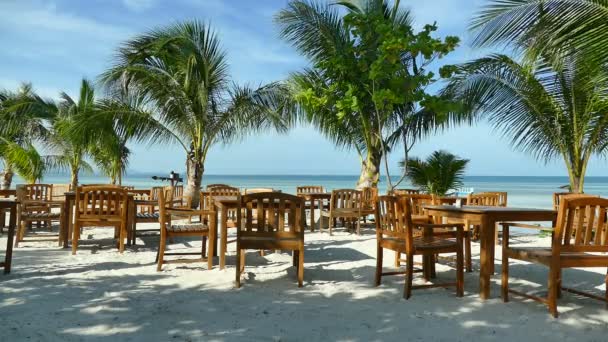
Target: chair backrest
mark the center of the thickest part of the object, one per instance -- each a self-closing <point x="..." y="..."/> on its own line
<point x="224" y="191"/>
<point x="417" y="202"/>
<point x="258" y="190"/>
<point x="309" y="189"/>
<point x="581" y="224"/>
<point x="155" y="192"/>
<point x="489" y="199"/>
<point x="178" y="192"/>
<point x="271" y="214"/>
<point x="394" y="219"/>
<point x="502" y="198"/>
<point x="59" y="190"/>
<point x="101" y="202"/>
<point x="165" y="201"/>
<point x="369" y="195"/>
<point x="36" y="192"/>
<point x="205" y="201"/>
<point x="398" y="192"/>
<point x="557" y="196"/>
<point x="345" y="199"/>
<point x="209" y="186"/>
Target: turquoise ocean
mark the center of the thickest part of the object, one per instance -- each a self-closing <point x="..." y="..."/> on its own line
<point x="522" y="191"/>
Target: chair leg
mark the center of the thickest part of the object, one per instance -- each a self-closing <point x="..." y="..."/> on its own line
<point x="20" y="232"/>
<point x="379" y="254"/>
<point x="467" y="251"/>
<point x="409" y="277"/>
<point x="358" y="227"/>
<point x="243" y="254"/>
<point x="160" y="258"/>
<point x="606" y="291"/>
<point x="559" y="284"/>
<point x="552" y="295"/>
<point x="397" y="259"/>
<point x="301" y="267"/>
<point x="238" y="267"/>
<point x="122" y="236"/>
<point x="204" y="247"/>
<point x="332" y="222"/>
<point x="459" y="272"/>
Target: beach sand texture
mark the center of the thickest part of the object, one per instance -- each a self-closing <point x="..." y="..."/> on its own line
<point x="102" y="295"/>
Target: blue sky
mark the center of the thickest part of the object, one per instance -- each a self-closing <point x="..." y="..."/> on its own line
<point x="53" y="44"/>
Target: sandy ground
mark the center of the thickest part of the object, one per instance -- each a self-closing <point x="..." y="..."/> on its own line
<point x="102" y="295"/>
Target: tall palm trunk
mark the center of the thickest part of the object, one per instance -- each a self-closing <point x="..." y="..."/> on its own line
<point x="194" y="177"/>
<point x="7" y="178"/>
<point x="74" y="179"/>
<point x="370" y="169"/>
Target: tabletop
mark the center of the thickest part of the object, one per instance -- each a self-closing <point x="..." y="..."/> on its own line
<point x="486" y="209"/>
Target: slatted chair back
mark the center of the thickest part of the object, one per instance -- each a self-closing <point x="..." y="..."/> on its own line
<point x="557" y="196"/>
<point x="502" y="198"/>
<point x="37" y="192"/>
<point x="394" y="219"/>
<point x="209" y="186"/>
<point x="345" y="199"/>
<point x="205" y="201"/>
<point x="282" y="216"/>
<point x="220" y="191"/>
<point x="417" y="202"/>
<point x="309" y="189"/>
<point x="178" y="191"/>
<point x="581" y="225"/>
<point x="258" y="190"/>
<point x="165" y="201"/>
<point x="488" y="199"/>
<point x="101" y="204"/>
<point x="59" y="190"/>
<point x="399" y="192"/>
<point x="369" y="195"/>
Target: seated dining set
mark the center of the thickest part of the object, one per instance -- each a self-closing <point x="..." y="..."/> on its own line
<point x="405" y="221"/>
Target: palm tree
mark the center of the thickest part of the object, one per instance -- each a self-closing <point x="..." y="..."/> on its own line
<point x="182" y="72"/>
<point x="324" y="34"/>
<point x="545" y="27"/>
<point x="24" y="118"/>
<point x="438" y="174"/>
<point x="549" y="110"/>
<point x="73" y="148"/>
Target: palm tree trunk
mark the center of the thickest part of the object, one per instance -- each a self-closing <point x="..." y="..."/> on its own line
<point x="74" y="179"/>
<point x="194" y="178"/>
<point x="7" y="179"/>
<point x="370" y="169"/>
<point x="576" y="174"/>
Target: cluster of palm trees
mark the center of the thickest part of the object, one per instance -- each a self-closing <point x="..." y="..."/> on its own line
<point x="172" y="85"/>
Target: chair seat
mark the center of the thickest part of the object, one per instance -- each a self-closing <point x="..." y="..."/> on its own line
<point x="188" y="228"/>
<point x="341" y="213"/>
<point x="41" y="215"/>
<point x="543" y="255"/>
<point x="151" y="216"/>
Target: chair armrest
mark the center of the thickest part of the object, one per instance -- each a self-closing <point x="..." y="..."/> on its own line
<point x="188" y="212"/>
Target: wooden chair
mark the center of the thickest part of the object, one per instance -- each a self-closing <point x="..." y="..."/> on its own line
<point x="344" y="204"/>
<point x="488" y="199"/>
<point x="100" y="206"/>
<point x="59" y="190"/>
<point x="395" y="230"/>
<point x="369" y="196"/>
<point x="144" y="213"/>
<point x="580" y="239"/>
<point x="309" y="189"/>
<point x="169" y="229"/>
<point x="270" y="220"/>
<point x="36" y="205"/>
<point x="557" y="196"/>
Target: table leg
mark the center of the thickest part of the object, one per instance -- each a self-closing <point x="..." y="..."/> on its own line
<point x="67" y="219"/>
<point x="224" y="238"/>
<point x="130" y="222"/>
<point x="216" y="236"/>
<point x="487" y="228"/>
<point x="312" y="214"/>
<point x="8" y="257"/>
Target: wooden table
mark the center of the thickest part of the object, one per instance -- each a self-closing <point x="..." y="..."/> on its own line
<point x="312" y="197"/>
<point x="489" y="216"/>
<point x="10" y="204"/>
<point x="222" y="205"/>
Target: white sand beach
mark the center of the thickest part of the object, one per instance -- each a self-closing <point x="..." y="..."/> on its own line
<point x="54" y="296"/>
